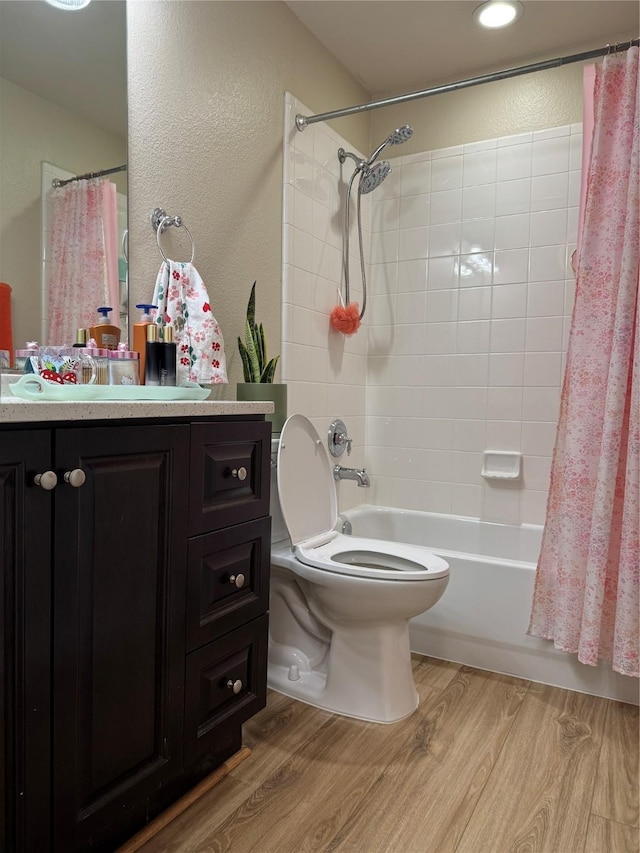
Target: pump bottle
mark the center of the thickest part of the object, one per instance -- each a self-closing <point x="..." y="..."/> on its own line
<point x="140" y="336"/>
<point x="106" y="335"/>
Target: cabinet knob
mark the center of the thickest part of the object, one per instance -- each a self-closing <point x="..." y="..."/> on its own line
<point x="75" y="478"/>
<point x="236" y="685"/>
<point x="239" y="473"/>
<point x="237" y="580"/>
<point x="47" y="480"/>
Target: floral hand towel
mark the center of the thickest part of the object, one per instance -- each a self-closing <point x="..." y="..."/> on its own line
<point x="183" y="303"/>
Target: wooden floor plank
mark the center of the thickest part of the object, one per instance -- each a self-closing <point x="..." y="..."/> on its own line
<point x="273" y="735"/>
<point x="607" y="836"/>
<point x="539" y="796"/>
<point x="174" y="811"/>
<point x="332" y="763"/>
<point x="487" y="763"/>
<point x="432" y="672"/>
<point x="616" y="795"/>
<point x="303" y="805"/>
<point x="426" y="794"/>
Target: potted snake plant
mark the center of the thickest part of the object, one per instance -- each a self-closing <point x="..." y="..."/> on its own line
<point x="259" y="370"/>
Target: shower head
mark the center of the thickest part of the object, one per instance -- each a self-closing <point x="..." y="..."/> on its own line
<point x="371" y="178"/>
<point x="399" y="135"/>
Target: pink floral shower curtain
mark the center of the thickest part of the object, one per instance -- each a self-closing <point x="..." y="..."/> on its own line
<point x="83" y="262"/>
<point x="586" y="592"/>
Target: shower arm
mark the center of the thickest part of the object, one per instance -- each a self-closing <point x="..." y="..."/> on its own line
<point x="360" y="163"/>
<point x="377" y="152"/>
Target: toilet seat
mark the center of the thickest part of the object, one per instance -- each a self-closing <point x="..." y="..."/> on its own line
<point x="308" y="501"/>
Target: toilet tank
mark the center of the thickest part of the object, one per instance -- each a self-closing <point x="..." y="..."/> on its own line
<point x="279" y="530"/>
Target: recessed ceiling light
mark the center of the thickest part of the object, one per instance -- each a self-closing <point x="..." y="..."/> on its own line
<point x="498" y="13"/>
<point x="69" y="5"/>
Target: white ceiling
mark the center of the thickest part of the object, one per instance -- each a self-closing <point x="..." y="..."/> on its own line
<point x="78" y="59"/>
<point x="395" y="46"/>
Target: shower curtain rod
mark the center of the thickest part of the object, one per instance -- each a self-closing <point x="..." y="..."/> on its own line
<point x="56" y="182"/>
<point x="303" y="121"/>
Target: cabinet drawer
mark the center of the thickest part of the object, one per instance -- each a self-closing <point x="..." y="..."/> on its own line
<point x="230" y="471"/>
<point x="228" y="580"/>
<point x="225" y="681"/>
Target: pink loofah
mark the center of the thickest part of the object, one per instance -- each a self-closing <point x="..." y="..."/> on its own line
<point x="346" y="319"/>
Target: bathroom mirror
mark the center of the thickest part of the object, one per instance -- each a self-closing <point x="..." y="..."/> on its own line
<point x="63" y="102"/>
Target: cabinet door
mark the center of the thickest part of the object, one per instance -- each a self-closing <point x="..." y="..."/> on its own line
<point x="25" y="564"/>
<point x="118" y="627"/>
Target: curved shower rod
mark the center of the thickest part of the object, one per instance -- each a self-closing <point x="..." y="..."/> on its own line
<point x="304" y="121"/>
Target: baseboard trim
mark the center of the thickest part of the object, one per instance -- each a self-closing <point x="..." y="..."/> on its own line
<point x="181" y="805"/>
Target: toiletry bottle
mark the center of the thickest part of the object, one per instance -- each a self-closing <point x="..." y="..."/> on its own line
<point x="101" y="357"/>
<point x="152" y="356"/>
<point x="123" y="366"/>
<point x="27" y="360"/>
<point x="106" y="335"/>
<point x="81" y="338"/>
<point x="168" y="357"/>
<point x="140" y="335"/>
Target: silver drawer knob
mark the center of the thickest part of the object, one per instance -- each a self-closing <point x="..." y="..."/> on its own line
<point x="239" y="473"/>
<point x="75" y="478"/>
<point x="47" y="480"/>
<point x="236" y="685"/>
<point x="237" y="580"/>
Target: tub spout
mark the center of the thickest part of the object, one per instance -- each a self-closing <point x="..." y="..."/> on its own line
<point x="357" y="474"/>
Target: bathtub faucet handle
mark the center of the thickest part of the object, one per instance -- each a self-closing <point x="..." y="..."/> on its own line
<point x="338" y="439"/>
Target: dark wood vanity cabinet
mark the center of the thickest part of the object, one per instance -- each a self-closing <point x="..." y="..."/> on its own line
<point x="134" y="609"/>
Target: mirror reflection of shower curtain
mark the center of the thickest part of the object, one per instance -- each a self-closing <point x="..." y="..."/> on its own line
<point x="83" y="247"/>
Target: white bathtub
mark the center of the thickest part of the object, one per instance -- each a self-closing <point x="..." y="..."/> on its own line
<point x="482" y="618"/>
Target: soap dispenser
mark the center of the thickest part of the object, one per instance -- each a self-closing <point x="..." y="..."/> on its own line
<point x="106" y="335"/>
<point x="140" y="336"/>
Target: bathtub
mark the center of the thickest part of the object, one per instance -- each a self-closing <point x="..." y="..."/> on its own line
<point x="482" y="618"/>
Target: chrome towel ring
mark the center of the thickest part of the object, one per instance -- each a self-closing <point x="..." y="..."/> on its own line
<point x="161" y="221"/>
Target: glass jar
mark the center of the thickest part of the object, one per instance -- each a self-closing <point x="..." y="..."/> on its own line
<point x="124" y="366"/>
<point x="101" y="358"/>
<point x="26" y="359"/>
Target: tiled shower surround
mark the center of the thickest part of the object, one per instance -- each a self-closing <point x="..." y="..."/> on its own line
<point x="470" y="297"/>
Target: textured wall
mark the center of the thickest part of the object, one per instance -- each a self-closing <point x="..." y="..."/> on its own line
<point x="533" y="101"/>
<point x="206" y="95"/>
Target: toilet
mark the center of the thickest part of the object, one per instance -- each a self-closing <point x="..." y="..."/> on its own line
<point x="339" y="605"/>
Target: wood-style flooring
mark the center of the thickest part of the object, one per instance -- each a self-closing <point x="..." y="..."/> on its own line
<point x="487" y="764"/>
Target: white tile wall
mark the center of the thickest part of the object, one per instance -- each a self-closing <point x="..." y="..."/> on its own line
<point x="499" y="297"/>
<point x="325" y="371"/>
<point x="470" y="296"/>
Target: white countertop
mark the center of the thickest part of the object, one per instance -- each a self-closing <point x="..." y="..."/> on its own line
<point x="15" y="410"/>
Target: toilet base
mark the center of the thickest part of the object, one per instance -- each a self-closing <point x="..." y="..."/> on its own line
<point x="370" y="675"/>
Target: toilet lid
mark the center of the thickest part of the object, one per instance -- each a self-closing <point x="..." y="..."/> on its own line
<point x="305" y="481"/>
